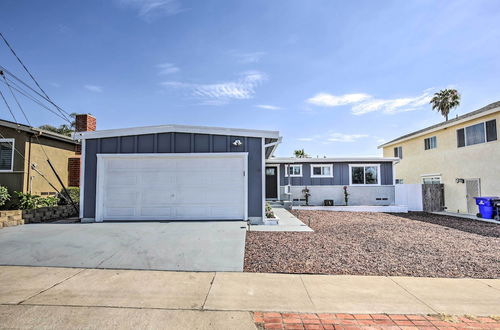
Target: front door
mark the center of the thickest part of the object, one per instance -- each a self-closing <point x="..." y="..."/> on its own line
<point x="271" y="182"/>
<point x="472" y="189"/>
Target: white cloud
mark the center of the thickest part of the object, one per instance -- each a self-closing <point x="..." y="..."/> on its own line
<point x="365" y="103"/>
<point x="391" y="106"/>
<point x="221" y="93"/>
<point x="268" y="107"/>
<point x="152" y="9"/>
<point x="167" y="68"/>
<point x="246" y="58"/>
<point x="329" y="100"/>
<point x="340" y="137"/>
<point x="93" y="88"/>
<point x="334" y="137"/>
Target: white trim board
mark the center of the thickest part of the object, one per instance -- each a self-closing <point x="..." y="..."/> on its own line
<point x="100" y="169"/>
<point x="294" y="160"/>
<point x="178" y="129"/>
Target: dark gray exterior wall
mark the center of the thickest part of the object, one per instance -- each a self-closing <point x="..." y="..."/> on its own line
<point x="340" y="174"/>
<point x="174" y="143"/>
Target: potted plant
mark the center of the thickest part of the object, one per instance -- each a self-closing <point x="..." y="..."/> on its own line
<point x="346" y="196"/>
<point x="306" y="193"/>
<point x="270" y="217"/>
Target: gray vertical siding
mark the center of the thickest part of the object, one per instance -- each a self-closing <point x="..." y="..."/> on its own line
<point x="340" y="175"/>
<point x="174" y="143"/>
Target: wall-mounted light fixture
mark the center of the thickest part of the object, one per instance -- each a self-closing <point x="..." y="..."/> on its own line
<point x="459" y="180"/>
<point x="237" y="143"/>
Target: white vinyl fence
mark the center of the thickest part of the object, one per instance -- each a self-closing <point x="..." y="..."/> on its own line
<point x="409" y="195"/>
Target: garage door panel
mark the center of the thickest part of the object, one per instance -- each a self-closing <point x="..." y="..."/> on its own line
<point x="156" y="212"/>
<point x="114" y="212"/>
<point x="173" y="187"/>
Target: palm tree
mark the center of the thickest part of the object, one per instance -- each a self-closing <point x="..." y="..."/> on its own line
<point x="445" y="100"/>
<point x="300" y="153"/>
<point x="63" y="129"/>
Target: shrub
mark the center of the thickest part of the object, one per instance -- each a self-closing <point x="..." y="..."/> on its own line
<point x="269" y="211"/>
<point x="27" y="201"/>
<point x="74" y="193"/>
<point x="4" y="195"/>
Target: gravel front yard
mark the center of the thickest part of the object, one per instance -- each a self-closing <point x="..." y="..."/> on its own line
<point x="413" y="244"/>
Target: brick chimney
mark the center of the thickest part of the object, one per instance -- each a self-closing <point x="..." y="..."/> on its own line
<point x="85" y="122"/>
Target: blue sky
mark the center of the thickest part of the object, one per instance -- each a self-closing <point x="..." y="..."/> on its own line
<point x="334" y="77"/>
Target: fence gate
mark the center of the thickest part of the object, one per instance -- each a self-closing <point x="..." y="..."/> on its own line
<point x="433" y="197"/>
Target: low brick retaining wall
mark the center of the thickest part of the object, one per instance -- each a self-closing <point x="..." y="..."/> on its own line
<point x="43" y="214"/>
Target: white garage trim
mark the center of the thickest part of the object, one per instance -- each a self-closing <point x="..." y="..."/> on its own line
<point x="102" y="158"/>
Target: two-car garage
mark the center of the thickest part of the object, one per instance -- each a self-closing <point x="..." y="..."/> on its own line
<point x="174" y="172"/>
<point x="171" y="186"/>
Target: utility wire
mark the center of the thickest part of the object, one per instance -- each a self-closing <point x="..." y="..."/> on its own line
<point x="65" y="114"/>
<point x="8" y="107"/>
<point x="26" y="69"/>
<point x="25" y="93"/>
<point x="33" y="166"/>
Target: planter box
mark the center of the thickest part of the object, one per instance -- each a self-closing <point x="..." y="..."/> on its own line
<point x="271" y="221"/>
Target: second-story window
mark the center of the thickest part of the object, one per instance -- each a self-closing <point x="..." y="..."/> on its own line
<point x="430" y="143"/>
<point x="398" y="152"/>
<point x="478" y="133"/>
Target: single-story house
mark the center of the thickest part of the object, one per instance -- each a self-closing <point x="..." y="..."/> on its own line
<point x="178" y="172"/>
<point x="369" y="180"/>
<point x="23" y="159"/>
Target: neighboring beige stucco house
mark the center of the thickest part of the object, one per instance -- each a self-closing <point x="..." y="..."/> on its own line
<point x="22" y="145"/>
<point x="462" y="153"/>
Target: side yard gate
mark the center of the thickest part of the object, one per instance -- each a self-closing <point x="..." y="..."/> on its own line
<point x="433" y="197"/>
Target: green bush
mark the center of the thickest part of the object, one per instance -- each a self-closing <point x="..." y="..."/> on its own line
<point x="4" y="195"/>
<point x="74" y="193"/>
<point x="27" y="201"/>
<point x="269" y="211"/>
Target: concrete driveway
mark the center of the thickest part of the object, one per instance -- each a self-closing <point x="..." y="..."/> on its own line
<point x="189" y="246"/>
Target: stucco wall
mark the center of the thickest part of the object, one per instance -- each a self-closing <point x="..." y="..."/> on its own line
<point x="58" y="152"/>
<point x="357" y="195"/>
<point x="476" y="161"/>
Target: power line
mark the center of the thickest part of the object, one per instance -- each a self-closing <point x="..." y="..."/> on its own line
<point x="64" y="113"/>
<point x="23" y="92"/>
<point x="8" y="107"/>
<point x="26" y="69"/>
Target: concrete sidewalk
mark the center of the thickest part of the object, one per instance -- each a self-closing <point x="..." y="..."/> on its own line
<point x="237" y="292"/>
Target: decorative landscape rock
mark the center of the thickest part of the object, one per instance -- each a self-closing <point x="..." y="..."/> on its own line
<point x="413" y="244"/>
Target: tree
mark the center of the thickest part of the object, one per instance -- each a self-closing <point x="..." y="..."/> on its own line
<point x="300" y="153"/>
<point x="445" y="100"/>
<point x="62" y="129"/>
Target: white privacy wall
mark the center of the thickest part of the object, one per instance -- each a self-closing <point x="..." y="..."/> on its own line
<point x="409" y="195"/>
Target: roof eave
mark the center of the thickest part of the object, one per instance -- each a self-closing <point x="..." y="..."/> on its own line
<point x="176" y="129"/>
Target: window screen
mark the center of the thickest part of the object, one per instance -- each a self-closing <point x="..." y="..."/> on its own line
<point x="475" y="134"/>
<point x="491" y="130"/>
<point x="6" y="154"/>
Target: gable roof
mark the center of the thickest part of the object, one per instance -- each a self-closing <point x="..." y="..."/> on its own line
<point x="490" y="108"/>
<point x="176" y="128"/>
<point x="37" y="131"/>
